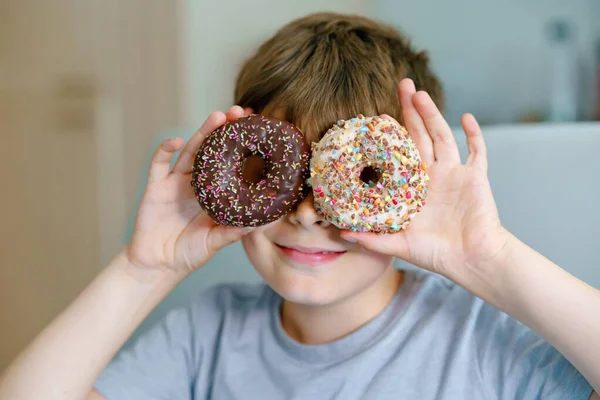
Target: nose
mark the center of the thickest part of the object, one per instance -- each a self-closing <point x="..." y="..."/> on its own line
<point x="305" y="215"/>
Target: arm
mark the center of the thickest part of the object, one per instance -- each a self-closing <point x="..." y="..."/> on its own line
<point x="67" y="357"/>
<point x="172" y="238"/>
<point x="458" y="234"/>
<point x="532" y="289"/>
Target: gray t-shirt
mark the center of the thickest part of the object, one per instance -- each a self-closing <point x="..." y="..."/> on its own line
<point x="433" y="341"/>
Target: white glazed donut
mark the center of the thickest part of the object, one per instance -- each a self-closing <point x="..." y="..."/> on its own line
<point x="367" y="175"/>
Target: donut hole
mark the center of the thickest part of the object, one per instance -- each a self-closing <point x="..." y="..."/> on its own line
<point x="253" y="169"/>
<point x="370" y="175"/>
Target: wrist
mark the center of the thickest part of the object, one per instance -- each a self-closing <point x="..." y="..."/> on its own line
<point x="483" y="270"/>
<point x="148" y="276"/>
<point x="494" y="252"/>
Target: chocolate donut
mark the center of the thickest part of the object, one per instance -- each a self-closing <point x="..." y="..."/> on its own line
<point x="233" y="189"/>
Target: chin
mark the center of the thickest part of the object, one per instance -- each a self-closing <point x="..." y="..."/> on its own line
<point x="300" y="292"/>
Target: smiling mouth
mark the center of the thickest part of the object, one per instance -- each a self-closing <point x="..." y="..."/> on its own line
<point x="310" y="250"/>
<point x="311" y="256"/>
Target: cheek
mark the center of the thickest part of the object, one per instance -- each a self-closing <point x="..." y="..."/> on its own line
<point x="252" y="243"/>
<point x="366" y="267"/>
<point x="259" y="246"/>
<point x="378" y="262"/>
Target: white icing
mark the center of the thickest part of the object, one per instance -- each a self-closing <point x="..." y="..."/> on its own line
<point x="336" y="165"/>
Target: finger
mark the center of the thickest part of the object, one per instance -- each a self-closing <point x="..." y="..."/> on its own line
<point x="248" y="111"/>
<point x="234" y="113"/>
<point x="391" y="244"/>
<point x="221" y="236"/>
<point x="414" y="123"/>
<point x="160" y="167"/>
<point x="475" y="142"/>
<point x="186" y="158"/>
<point x="445" y="148"/>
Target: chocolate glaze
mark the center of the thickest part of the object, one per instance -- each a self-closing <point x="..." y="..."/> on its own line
<point x="217" y="172"/>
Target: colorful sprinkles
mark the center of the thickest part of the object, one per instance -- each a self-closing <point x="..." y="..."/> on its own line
<point x="217" y="177"/>
<point x="337" y="163"/>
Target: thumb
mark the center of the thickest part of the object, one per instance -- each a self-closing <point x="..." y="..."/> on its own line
<point x="392" y="244"/>
<point x="221" y="236"/>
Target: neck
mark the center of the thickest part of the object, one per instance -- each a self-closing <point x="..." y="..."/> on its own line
<point x="310" y="324"/>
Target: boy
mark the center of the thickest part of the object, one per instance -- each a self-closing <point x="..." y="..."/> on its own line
<point x="335" y="320"/>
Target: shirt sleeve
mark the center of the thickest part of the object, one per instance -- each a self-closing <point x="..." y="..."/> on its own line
<point x="517" y="363"/>
<point x="159" y="365"/>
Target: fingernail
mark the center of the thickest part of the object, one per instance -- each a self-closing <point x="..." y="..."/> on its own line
<point x="349" y="239"/>
<point x="247" y="230"/>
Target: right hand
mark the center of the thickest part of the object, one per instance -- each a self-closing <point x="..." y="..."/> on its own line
<point x="171" y="230"/>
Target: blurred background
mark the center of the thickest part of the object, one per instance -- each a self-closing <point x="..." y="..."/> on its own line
<point x="88" y="88"/>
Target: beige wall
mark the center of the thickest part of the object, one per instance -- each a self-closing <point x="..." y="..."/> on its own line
<point x="84" y="89"/>
<point x="48" y="235"/>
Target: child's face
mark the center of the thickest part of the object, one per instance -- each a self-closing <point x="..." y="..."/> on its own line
<point x="303" y="258"/>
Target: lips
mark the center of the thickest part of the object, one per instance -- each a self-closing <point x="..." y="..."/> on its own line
<point x="312" y="256"/>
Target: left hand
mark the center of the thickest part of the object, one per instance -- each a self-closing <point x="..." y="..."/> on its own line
<point x="459" y="224"/>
